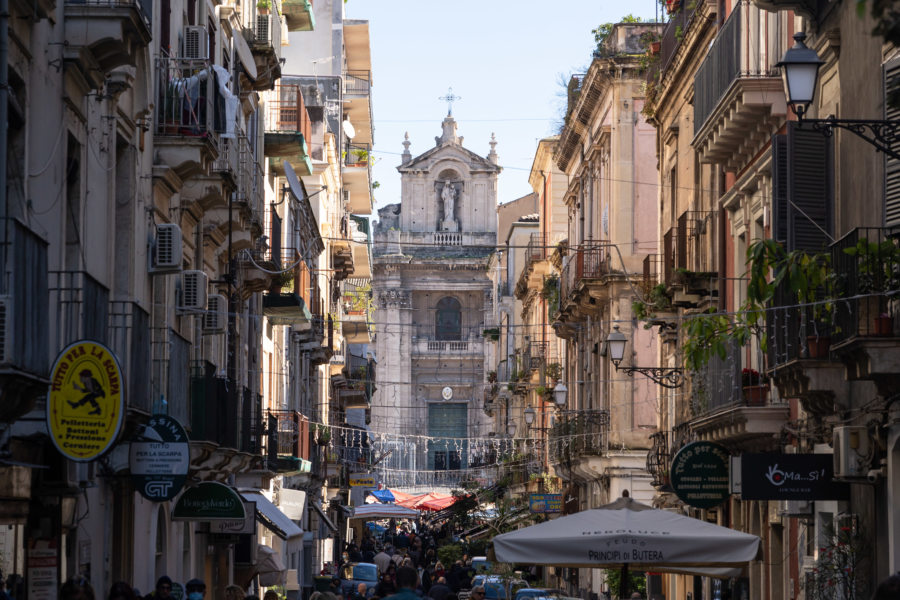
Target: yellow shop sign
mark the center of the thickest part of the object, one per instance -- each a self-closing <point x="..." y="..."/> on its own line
<point x="86" y="401"/>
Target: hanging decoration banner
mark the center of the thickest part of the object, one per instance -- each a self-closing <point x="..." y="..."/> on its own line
<point x="700" y="474"/>
<point x="86" y="401"/>
<point x="159" y="462"/>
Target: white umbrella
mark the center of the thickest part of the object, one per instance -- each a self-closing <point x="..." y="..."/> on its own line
<point x="379" y="511"/>
<point x="629" y="534"/>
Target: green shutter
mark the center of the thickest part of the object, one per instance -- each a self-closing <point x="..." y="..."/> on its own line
<point x="891" y="165"/>
<point x="779" y="188"/>
<point x="447" y="421"/>
<point x="810" y="174"/>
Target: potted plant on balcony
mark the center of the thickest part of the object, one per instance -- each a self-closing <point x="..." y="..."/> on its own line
<point x="263" y="6"/>
<point x="878" y="272"/>
<point x="755" y="387"/>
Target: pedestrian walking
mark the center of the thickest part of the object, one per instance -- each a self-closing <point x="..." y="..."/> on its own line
<point x="121" y="591"/>
<point x="195" y="589"/>
<point x="162" y="591"/>
<point x="407" y="580"/>
<point x="76" y="588"/>
<point x="234" y="592"/>
<point x="889" y="589"/>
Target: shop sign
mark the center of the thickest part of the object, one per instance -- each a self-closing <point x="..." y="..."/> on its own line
<point x="237" y="526"/>
<point x="362" y="480"/>
<point x="209" y="501"/>
<point x="160" y="460"/>
<point x="545" y="503"/>
<point x="43" y="565"/>
<point x="790" y="477"/>
<point x="86" y="401"/>
<point x="699" y="474"/>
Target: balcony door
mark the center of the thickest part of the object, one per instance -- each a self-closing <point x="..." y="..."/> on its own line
<point x="448" y="319"/>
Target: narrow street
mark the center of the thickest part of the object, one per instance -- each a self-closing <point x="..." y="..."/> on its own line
<point x="607" y="312"/>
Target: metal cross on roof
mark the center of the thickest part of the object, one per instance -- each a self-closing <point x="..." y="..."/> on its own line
<point x="450" y="98"/>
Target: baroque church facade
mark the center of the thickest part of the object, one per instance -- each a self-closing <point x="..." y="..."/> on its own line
<point x="433" y="295"/>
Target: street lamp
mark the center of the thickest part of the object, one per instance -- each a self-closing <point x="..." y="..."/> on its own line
<point x="511" y="429"/>
<point x="560" y="393"/>
<point x="800" y="72"/>
<point x="668" y="377"/>
<point x="529" y="416"/>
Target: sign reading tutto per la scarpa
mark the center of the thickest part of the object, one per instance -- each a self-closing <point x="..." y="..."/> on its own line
<point x="86" y="401"/>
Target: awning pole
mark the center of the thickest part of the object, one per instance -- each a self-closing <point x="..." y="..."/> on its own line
<point x="623" y="582"/>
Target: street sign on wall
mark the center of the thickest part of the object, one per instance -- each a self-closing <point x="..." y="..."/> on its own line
<point x="86" y="401"/>
<point x="699" y="474"/>
<point x="790" y="477"/>
<point x="160" y="460"/>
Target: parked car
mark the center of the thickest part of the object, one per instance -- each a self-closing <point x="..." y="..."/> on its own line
<point x="354" y="573"/>
<point x="537" y="594"/>
<point x="481" y="564"/>
<point x="497" y="587"/>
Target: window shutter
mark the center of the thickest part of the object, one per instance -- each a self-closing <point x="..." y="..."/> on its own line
<point x="779" y="188"/>
<point x="891" y="165"/>
<point x="810" y="174"/>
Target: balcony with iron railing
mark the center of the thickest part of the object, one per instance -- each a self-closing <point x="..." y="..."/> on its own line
<point x="357" y="85"/>
<point x="732" y="403"/>
<point x="537" y="354"/>
<point x="738" y="99"/>
<point x="583" y="274"/>
<point x="112" y="32"/>
<point x="288" y="129"/>
<point x="689" y="259"/>
<point x="677" y="27"/>
<point x="577" y="435"/>
<point x="226" y="414"/>
<point x="357" y="172"/>
<point x="287" y="442"/>
<point x="264" y="38"/>
<point x="185" y="128"/>
<point x="658" y="459"/>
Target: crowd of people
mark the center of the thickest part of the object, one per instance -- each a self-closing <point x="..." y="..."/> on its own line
<point x="406" y="546"/>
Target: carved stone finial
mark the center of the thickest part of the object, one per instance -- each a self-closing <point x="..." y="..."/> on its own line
<point x="492" y="155"/>
<point x="406" y="154"/>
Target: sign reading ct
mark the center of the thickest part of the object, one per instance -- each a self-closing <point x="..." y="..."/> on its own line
<point x="86" y="401"/>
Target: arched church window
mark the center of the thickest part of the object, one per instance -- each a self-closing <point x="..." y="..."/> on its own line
<point x="448" y="320"/>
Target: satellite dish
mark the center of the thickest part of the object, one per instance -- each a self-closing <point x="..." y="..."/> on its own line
<point x="293" y="182"/>
<point x="349" y="129"/>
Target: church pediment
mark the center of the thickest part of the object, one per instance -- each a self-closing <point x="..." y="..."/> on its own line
<point x="473" y="161"/>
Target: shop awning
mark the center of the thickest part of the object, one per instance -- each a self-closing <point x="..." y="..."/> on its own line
<point x="271" y="517"/>
<point x="383" y="495"/>
<point x="324" y="517"/>
<point x="383" y="511"/>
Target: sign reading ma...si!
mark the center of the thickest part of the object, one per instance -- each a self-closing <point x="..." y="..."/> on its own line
<point x="700" y="474"/>
<point x="790" y="477"/>
<point x="86" y="401"/>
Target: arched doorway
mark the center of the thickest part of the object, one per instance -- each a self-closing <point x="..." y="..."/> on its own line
<point x="448" y="319"/>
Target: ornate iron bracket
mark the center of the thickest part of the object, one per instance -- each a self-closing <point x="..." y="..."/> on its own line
<point x="884" y="135"/>
<point x="667" y="377"/>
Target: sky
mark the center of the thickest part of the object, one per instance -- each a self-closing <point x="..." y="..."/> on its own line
<point x="503" y="58"/>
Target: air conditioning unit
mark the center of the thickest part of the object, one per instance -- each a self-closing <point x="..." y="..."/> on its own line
<point x="193" y="290"/>
<point x="264" y="25"/>
<point x="795" y="508"/>
<point x="167" y="249"/>
<point x="5" y="329"/>
<point x="195" y="42"/>
<point x="216" y="317"/>
<point x="851" y="452"/>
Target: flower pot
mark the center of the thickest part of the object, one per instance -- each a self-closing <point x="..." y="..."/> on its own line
<point x="654" y="48"/>
<point x="884" y="326"/>
<point x="756" y="395"/>
<point x="818" y="346"/>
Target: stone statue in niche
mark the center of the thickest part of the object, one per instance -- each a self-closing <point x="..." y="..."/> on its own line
<point x="449" y="197"/>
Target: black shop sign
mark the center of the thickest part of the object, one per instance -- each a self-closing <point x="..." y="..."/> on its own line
<point x="790" y="477"/>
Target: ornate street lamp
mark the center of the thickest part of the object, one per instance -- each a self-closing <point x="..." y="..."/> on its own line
<point x="529" y="416"/>
<point x="800" y="73"/>
<point x="668" y="377"/>
<point x="560" y="394"/>
<point x="511" y="429"/>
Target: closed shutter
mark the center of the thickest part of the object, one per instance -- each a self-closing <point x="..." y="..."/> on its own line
<point x="779" y="188"/>
<point x="449" y="423"/>
<point x="810" y="174"/>
<point x="891" y="165"/>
